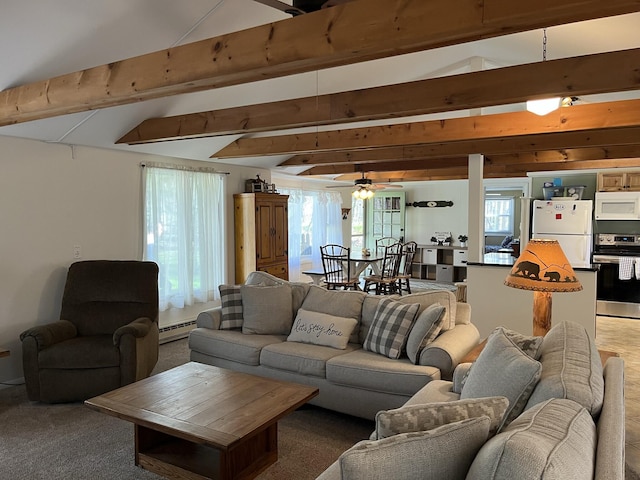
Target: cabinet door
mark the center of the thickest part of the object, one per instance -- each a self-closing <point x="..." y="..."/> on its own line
<point x="633" y="181"/>
<point x="280" y="231"/>
<point x="264" y="233"/>
<point x="610" y="182"/>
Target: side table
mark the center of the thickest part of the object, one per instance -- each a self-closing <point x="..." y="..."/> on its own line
<point x="472" y="356"/>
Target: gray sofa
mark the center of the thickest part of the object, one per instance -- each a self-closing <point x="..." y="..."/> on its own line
<point x="252" y="332"/>
<point x="528" y="408"/>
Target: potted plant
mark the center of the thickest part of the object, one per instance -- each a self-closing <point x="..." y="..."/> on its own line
<point x="463" y="240"/>
<point x="447" y="241"/>
<point x="434" y="240"/>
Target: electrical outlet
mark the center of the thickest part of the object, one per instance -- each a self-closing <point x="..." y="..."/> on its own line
<point x="77" y="251"/>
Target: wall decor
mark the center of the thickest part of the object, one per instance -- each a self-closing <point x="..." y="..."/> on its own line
<point x="431" y="203"/>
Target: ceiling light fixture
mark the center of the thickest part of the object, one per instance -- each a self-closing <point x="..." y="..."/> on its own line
<point x="544" y="106"/>
<point x="362" y="193"/>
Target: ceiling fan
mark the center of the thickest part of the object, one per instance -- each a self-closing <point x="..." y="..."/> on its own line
<point x="365" y="188"/>
<point x="300" y="7"/>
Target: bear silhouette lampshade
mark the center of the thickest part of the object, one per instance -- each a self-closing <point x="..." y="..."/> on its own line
<point x="543" y="268"/>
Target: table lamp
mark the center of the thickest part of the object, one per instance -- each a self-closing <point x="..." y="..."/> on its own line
<point x="543" y="268"/>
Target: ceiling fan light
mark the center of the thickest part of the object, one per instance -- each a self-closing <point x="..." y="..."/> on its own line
<point x="544" y="105"/>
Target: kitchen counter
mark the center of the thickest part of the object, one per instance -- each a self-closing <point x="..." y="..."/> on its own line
<point x="500" y="259"/>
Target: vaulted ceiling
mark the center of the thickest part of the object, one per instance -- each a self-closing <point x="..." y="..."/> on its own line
<point x="399" y="89"/>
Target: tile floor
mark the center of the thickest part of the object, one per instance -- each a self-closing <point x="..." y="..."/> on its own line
<point x="623" y="336"/>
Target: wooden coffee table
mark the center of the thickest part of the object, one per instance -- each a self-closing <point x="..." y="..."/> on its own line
<point x="199" y="422"/>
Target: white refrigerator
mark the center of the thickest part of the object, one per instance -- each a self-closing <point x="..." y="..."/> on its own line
<point x="568" y="221"/>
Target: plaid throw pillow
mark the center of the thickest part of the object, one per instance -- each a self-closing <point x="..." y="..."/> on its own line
<point x="231" y="307"/>
<point x="390" y="327"/>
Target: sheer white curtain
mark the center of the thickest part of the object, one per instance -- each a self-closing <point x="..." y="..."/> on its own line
<point x="315" y="218"/>
<point x="184" y="214"/>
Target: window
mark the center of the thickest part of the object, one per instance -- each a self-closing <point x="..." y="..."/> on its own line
<point x="315" y="219"/>
<point x="357" y="224"/>
<point x="184" y="212"/>
<point x="498" y="215"/>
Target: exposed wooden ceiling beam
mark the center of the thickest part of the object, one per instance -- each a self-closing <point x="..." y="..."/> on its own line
<point x="590" y="74"/>
<point x="610" y="157"/>
<point x="353" y="32"/>
<point x="499" y="171"/>
<point x="519" y="124"/>
<point x="361" y="158"/>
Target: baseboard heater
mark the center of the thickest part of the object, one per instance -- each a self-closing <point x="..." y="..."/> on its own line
<point x="176" y="331"/>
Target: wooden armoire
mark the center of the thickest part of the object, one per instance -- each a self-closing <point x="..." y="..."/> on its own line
<point x="261" y="234"/>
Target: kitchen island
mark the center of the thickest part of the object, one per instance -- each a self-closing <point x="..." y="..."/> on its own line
<point x="493" y="304"/>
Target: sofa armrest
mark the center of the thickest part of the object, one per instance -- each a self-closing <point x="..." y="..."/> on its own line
<point x="459" y="376"/>
<point x="210" y="318"/>
<point x="463" y="313"/>
<point x="50" y="333"/>
<point x="138" y="328"/>
<point x="610" y="454"/>
<point x="449" y="348"/>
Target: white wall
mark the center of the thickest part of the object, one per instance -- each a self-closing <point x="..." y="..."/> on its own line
<point x="53" y="197"/>
<point x="423" y="222"/>
<point x="493" y="304"/>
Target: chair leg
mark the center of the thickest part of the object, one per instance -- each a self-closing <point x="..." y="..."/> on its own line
<point x="408" y="286"/>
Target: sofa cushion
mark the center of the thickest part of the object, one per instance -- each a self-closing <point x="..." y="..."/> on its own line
<point x="434" y="391"/>
<point x="95" y="351"/>
<point x="554" y="440"/>
<point x="444" y="297"/>
<point x="571" y="368"/>
<point x="390" y="328"/>
<point x="267" y="310"/>
<point x="321" y="329"/>
<point x="424" y="331"/>
<point x="231" y="345"/>
<point x="370" y="371"/>
<point x="415" y="418"/>
<point x="335" y="302"/>
<point x="503" y="369"/>
<point x="408" y="456"/>
<point x="301" y="358"/>
<point x="531" y="345"/>
<point x="231" y="300"/>
<point x="369" y="307"/>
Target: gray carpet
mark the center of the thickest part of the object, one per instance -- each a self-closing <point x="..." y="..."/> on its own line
<point x="70" y="441"/>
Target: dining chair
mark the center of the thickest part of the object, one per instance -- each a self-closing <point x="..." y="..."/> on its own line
<point x="383" y="242"/>
<point x="386" y="282"/>
<point x="336" y="263"/>
<point x="404" y="275"/>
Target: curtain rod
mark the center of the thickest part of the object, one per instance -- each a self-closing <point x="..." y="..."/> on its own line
<point x="188" y="168"/>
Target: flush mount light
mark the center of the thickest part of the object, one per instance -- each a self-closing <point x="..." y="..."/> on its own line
<point x="543" y="106"/>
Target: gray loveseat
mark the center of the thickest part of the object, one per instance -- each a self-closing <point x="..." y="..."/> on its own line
<point x="307" y="334"/>
<point x="528" y="408"/>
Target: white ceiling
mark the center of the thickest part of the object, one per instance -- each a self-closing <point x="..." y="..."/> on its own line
<point x="42" y="39"/>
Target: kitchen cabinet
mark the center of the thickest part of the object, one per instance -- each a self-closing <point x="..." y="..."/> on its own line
<point x="261" y="234"/>
<point x="440" y="263"/>
<point x="619" y="181"/>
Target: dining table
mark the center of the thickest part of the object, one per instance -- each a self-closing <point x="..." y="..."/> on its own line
<point x="359" y="263"/>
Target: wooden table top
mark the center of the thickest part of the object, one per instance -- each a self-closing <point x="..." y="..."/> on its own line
<point x="4" y="352"/>
<point x="473" y="355"/>
<point x="204" y="404"/>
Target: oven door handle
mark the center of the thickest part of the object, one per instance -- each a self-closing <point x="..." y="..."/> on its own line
<point x="612" y="259"/>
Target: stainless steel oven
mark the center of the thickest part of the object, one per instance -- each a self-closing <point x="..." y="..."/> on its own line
<point x="615" y="296"/>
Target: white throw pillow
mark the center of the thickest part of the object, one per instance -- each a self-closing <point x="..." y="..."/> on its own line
<point x="321" y="329"/>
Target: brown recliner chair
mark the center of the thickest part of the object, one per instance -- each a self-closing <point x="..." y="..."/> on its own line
<point x="107" y="336"/>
